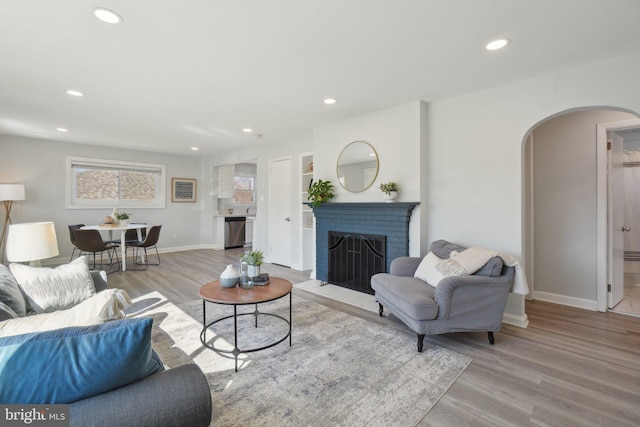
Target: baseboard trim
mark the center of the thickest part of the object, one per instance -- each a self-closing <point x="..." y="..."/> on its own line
<point x="587" y="304"/>
<point x="65" y="259"/>
<point x="512" y="319"/>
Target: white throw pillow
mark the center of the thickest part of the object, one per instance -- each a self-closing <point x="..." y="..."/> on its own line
<point x="427" y="269"/>
<point x="49" y="289"/>
<point x="101" y="307"/>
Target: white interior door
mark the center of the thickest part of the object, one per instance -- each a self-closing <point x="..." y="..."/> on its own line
<point x="280" y="211"/>
<point x="616" y="220"/>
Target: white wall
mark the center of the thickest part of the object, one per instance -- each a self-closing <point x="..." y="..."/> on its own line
<point x="395" y="134"/>
<point x="40" y="166"/>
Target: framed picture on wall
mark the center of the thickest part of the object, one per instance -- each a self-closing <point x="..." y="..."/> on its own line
<point x="183" y="190"/>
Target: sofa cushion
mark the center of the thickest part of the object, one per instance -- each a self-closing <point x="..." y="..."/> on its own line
<point x="70" y="364"/>
<point x="6" y="312"/>
<point x="101" y="307"/>
<point x="427" y="270"/>
<point x="412" y="296"/>
<point x="443" y="249"/>
<point x="493" y="268"/>
<point x="10" y="293"/>
<point x="49" y="289"/>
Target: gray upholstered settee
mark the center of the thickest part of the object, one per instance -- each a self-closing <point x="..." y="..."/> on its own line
<point x="457" y="304"/>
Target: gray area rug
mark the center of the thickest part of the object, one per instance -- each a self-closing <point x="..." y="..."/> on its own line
<point x="341" y="370"/>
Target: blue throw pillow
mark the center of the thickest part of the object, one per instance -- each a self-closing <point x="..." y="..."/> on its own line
<point x="69" y="364"/>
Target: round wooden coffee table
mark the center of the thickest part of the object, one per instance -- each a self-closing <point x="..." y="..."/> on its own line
<point x="213" y="292"/>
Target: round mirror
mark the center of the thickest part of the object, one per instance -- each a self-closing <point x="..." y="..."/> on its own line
<point x="357" y="166"/>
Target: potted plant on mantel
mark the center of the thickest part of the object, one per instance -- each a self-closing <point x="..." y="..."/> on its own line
<point x="254" y="260"/>
<point x="390" y="190"/>
<point x="320" y="192"/>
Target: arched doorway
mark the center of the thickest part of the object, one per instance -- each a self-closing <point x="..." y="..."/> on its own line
<point x="562" y="244"/>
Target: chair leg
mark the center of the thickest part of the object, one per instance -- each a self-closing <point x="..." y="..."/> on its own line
<point x="380" y="309"/>
<point x="146" y="259"/>
<point x="420" y="342"/>
<point x="72" y="253"/>
<point x="491" y="338"/>
<point x="157" y="254"/>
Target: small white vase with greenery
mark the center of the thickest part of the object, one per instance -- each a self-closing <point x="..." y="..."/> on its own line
<point x="254" y="260"/>
<point x="123" y="218"/>
<point x="390" y="191"/>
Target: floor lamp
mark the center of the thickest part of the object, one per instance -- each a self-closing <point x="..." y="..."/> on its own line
<point x="31" y="242"/>
<point x="9" y="193"/>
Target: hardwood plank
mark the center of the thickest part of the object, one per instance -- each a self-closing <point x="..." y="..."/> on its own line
<point x="569" y="367"/>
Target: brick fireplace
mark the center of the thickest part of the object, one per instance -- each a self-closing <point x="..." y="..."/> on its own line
<point x="390" y="220"/>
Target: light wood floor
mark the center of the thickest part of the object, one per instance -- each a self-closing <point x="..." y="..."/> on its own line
<point x="570" y="367"/>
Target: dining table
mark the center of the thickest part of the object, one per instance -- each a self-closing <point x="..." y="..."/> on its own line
<point x="123" y="229"/>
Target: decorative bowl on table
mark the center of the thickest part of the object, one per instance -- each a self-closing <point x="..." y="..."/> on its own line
<point x="228" y="282"/>
<point x="229" y="277"/>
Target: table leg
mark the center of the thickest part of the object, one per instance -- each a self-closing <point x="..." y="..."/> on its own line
<point x="255" y="313"/>
<point x="236" y="350"/>
<point x="204" y="320"/>
<point x="142" y="257"/>
<point x="290" y="319"/>
<point x="123" y="250"/>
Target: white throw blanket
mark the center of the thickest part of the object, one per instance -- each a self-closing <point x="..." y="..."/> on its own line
<point x="472" y="259"/>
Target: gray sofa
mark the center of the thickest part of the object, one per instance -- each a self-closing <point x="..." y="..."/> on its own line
<point x="457" y="304"/>
<point x="178" y="396"/>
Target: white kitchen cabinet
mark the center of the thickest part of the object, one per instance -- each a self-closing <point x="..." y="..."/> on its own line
<point x="248" y="232"/>
<point x="226" y="175"/>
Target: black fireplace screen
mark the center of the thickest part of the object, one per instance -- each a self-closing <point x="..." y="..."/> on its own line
<point x="354" y="258"/>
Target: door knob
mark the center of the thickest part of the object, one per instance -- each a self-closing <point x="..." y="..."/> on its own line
<point x="287" y="219"/>
<point x="626" y="229"/>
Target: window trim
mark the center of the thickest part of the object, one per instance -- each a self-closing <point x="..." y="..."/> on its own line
<point x="244" y="175"/>
<point x="72" y="162"/>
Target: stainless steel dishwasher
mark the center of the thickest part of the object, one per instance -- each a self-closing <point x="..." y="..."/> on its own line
<point x="234" y="231"/>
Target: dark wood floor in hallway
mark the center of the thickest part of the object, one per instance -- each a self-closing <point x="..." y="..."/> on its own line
<point x="570" y="367"/>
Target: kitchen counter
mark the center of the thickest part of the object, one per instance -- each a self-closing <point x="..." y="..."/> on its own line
<point x="235" y="215"/>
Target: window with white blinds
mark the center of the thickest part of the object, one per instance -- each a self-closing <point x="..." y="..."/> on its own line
<point x="98" y="183"/>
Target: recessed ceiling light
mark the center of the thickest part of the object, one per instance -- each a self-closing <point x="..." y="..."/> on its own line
<point x="497" y="44"/>
<point x="62" y="129"/>
<point x="329" y="101"/>
<point x="248" y="130"/>
<point x="75" y="92"/>
<point x="195" y="148"/>
<point x="108" y="16"/>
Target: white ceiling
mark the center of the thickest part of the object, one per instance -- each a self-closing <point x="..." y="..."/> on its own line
<point x="183" y="73"/>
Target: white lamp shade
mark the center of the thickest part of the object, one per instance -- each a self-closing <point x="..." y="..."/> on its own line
<point x="11" y="192"/>
<point x="31" y="241"/>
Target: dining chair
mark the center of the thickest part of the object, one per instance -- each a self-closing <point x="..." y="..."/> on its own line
<point x="131" y="236"/>
<point x="150" y="241"/>
<point x="90" y="241"/>
<point x="72" y="237"/>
